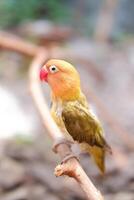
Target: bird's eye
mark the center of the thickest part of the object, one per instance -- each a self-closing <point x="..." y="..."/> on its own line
<point x="53" y="69"/>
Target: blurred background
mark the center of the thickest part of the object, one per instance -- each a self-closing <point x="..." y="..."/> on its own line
<point x="99" y="34"/>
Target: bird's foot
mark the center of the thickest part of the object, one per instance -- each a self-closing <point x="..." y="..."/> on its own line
<point x="61" y="141"/>
<point x="68" y="157"/>
<point x="70" y="154"/>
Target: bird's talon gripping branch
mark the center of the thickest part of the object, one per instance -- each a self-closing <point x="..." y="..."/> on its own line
<point x="61" y="141"/>
<point x="68" y="157"/>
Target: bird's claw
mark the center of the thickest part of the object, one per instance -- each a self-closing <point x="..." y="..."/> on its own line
<point x="61" y="141"/>
<point x="68" y="157"/>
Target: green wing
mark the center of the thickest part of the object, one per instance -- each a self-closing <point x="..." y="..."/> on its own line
<point x="82" y="125"/>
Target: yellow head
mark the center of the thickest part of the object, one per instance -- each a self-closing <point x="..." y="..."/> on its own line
<point x="63" y="79"/>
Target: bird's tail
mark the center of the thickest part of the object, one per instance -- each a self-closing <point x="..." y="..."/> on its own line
<point x="98" y="155"/>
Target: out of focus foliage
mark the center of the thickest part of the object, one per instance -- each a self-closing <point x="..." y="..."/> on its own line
<point x="81" y="14"/>
<point x="13" y="12"/>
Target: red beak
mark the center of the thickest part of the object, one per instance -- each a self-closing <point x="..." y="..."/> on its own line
<point x="43" y="74"/>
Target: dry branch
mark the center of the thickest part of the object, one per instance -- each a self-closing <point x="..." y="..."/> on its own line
<point x="14" y="43"/>
<point x="72" y="167"/>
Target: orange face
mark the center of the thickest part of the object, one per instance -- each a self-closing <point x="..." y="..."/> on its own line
<point x="61" y="76"/>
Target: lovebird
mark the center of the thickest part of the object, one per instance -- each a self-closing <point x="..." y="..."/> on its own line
<point x="71" y="111"/>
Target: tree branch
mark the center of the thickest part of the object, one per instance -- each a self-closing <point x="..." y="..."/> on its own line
<point x="14" y="43"/>
<point x="105" y="20"/>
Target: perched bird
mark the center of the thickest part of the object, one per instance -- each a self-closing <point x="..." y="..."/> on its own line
<point x="71" y="112"/>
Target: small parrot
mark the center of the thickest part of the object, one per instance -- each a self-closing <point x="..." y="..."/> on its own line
<point x="71" y="111"/>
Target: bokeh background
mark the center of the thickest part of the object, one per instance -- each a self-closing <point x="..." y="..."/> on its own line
<point x="99" y="34"/>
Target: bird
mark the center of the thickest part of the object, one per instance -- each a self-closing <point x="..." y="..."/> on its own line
<point x="71" y="111"/>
